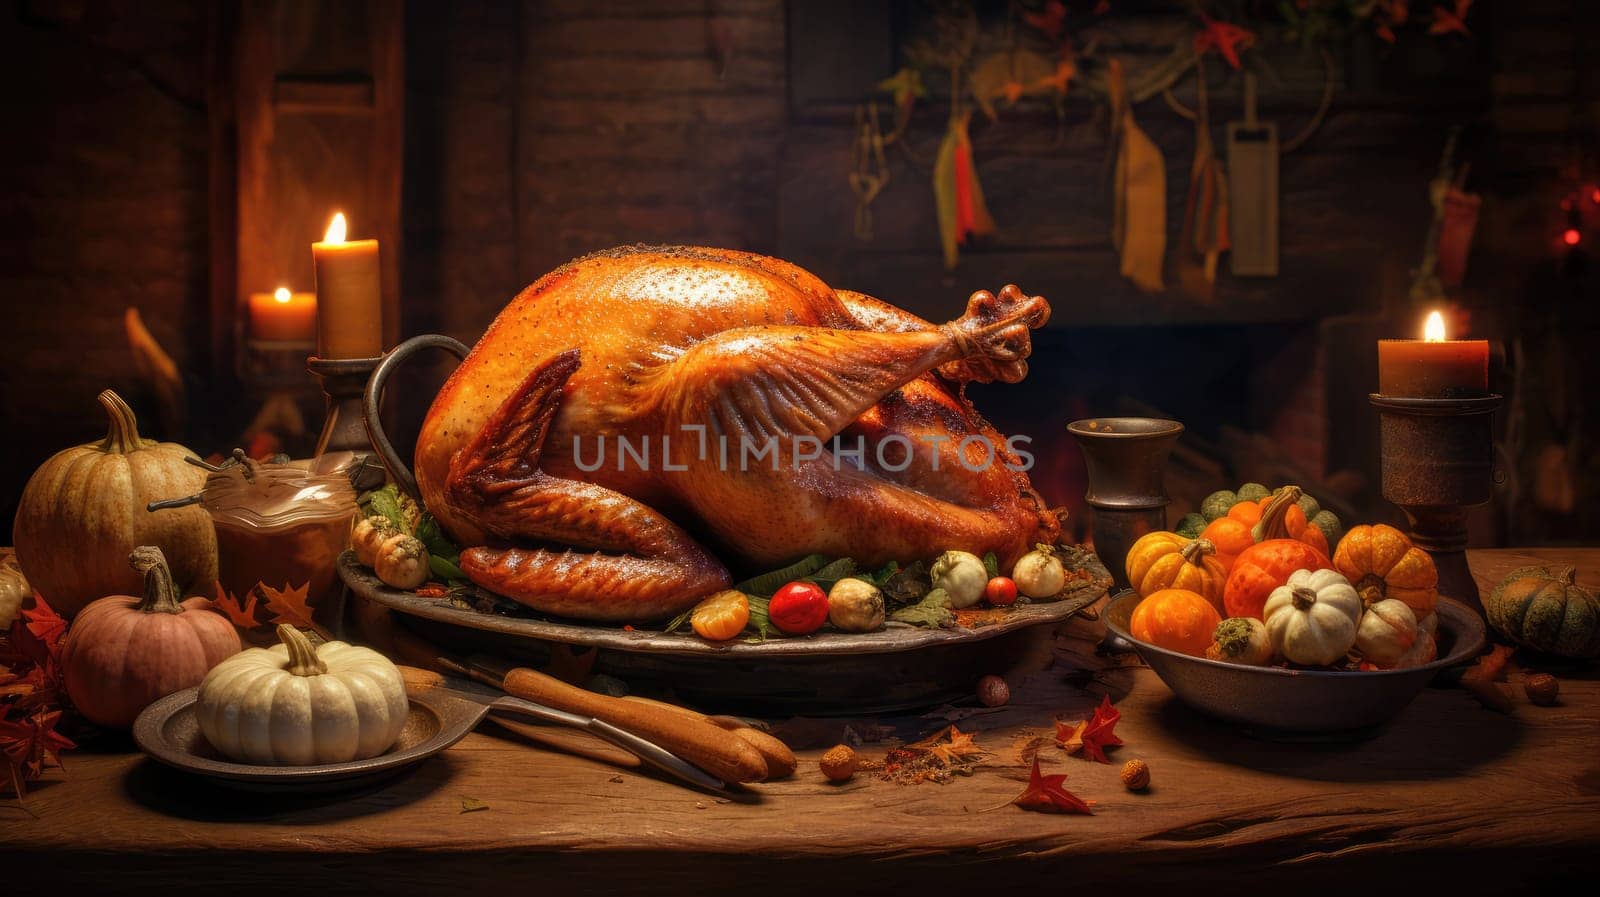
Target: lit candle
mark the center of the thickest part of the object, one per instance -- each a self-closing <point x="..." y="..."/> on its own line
<point x="349" y="300"/>
<point x="1433" y="367"/>
<point x="283" y="316"/>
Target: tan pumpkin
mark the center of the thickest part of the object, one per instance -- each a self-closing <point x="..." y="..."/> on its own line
<point x="84" y="510"/>
<point x="14" y="588"/>
<point x="123" y="653"/>
<point x="1162" y="560"/>
<point x="1381" y="562"/>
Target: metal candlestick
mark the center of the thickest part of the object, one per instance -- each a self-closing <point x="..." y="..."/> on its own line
<point x="1126" y="458"/>
<point x="344" y="380"/>
<point x="1438" y="463"/>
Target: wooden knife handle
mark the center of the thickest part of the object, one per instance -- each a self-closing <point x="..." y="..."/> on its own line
<point x="706" y="745"/>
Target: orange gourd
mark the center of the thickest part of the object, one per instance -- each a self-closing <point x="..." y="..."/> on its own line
<point x="1381" y="562"/>
<point x="1278" y="516"/>
<point x="1175" y="619"/>
<point x="1264" y="567"/>
<point x="1162" y="560"/>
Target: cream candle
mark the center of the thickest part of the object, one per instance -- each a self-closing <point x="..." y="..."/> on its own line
<point x="349" y="299"/>
<point x="283" y="316"/>
<point x="1433" y="367"/>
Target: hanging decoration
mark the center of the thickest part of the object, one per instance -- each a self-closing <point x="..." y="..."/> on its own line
<point x="962" y="212"/>
<point x="993" y="66"/>
<point x="1205" y="213"/>
<point x="1458" y="222"/>
<point x="1139" y="192"/>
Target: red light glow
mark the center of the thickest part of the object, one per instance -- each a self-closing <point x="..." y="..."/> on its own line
<point x="1571" y="236"/>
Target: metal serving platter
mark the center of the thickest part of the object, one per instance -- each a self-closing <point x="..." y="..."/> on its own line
<point x="897" y="667"/>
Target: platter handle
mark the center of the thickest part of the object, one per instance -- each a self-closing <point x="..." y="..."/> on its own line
<point x="371" y="401"/>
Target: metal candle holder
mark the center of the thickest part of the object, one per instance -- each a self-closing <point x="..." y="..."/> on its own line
<point x="1438" y="463"/>
<point x="344" y="380"/>
<point x="1126" y="458"/>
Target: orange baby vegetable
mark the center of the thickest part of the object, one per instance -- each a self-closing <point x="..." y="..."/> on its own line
<point x="721" y="616"/>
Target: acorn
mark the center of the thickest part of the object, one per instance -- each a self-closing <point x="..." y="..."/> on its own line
<point x="839" y="764"/>
<point x="1136" y="775"/>
<point x="1542" y="689"/>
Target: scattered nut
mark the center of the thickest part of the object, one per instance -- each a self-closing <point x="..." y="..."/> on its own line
<point x="1136" y="775"/>
<point x="1542" y="689"/>
<point x="839" y="763"/>
<point x="993" y="691"/>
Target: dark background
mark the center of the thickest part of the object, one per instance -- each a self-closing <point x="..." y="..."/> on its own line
<point x="537" y="131"/>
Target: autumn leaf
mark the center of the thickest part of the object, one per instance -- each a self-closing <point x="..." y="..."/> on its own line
<point x="1224" y="37"/>
<point x="290" y="605"/>
<point x="1451" y="22"/>
<point x="1025" y="748"/>
<point x="31" y="745"/>
<point x="1050" y="20"/>
<point x="959" y="749"/>
<point x="1093" y="735"/>
<point x="472" y="805"/>
<point x="38" y="631"/>
<point x="241" y="615"/>
<point x="1045" y="795"/>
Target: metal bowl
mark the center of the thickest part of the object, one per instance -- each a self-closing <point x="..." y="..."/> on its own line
<point x="1278" y="700"/>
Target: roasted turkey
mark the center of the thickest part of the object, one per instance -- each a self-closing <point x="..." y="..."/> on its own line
<point x="640" y="417"/>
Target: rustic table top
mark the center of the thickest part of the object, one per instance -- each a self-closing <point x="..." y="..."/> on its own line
<point x="1449" y="790"/>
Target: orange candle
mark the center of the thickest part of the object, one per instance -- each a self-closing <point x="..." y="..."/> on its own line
<point x="349" y="299"/>
<point x="283" y="316"/>
<point x="1433" y="367"/>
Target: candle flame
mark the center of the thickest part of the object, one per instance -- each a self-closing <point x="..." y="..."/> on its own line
<point x="1433" y="331"/>
<point x="336" y="229"/>
<point x="282" y="295"/>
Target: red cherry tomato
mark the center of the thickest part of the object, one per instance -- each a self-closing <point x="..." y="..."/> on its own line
<point x="1000" y="591"/>
<point x="799" y="608"/>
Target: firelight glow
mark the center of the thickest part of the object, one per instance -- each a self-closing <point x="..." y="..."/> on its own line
<point x="336" y="229"/>
<point x="282" y="295"/>
<point x="1433" y="330"/>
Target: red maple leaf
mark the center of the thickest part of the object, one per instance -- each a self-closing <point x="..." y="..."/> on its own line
<point x="38" y="631"/>
<point x="1446" y="21"/>
<point x="1045" y="795"/>
<point x="1224" y="37"/>
<point x="290" y="605"/>
<point x="30" y="745"/>
<point x="242" y="615"/>
<point x="1051" y="19"/>
<point x="1093" y="735"/>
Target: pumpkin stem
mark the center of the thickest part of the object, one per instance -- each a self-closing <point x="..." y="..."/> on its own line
<point x="123" y="436"/>
<point x="1372" y="589"/>
<point x="303" y="659"/>
<point x="1569" y="576"/>
<point x="1197" y="551"/>
<point x="1274" y="522"/>
<point x="1303" y="597"/>
<point x="160" y="594"/>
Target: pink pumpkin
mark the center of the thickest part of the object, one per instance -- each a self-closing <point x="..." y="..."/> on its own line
<point x="124" y="653"/>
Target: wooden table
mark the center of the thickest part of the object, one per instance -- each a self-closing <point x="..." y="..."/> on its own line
<point x="1449" y="795"/>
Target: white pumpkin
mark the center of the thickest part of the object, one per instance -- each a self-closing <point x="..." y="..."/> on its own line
<point x="298" y="705"/>
<point x="1312" y="619"/>
<point x="1388" y="630"/>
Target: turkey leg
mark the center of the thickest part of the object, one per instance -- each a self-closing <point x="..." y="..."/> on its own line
<point x="811" y="382"/>
<point x="643" y="566"/>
